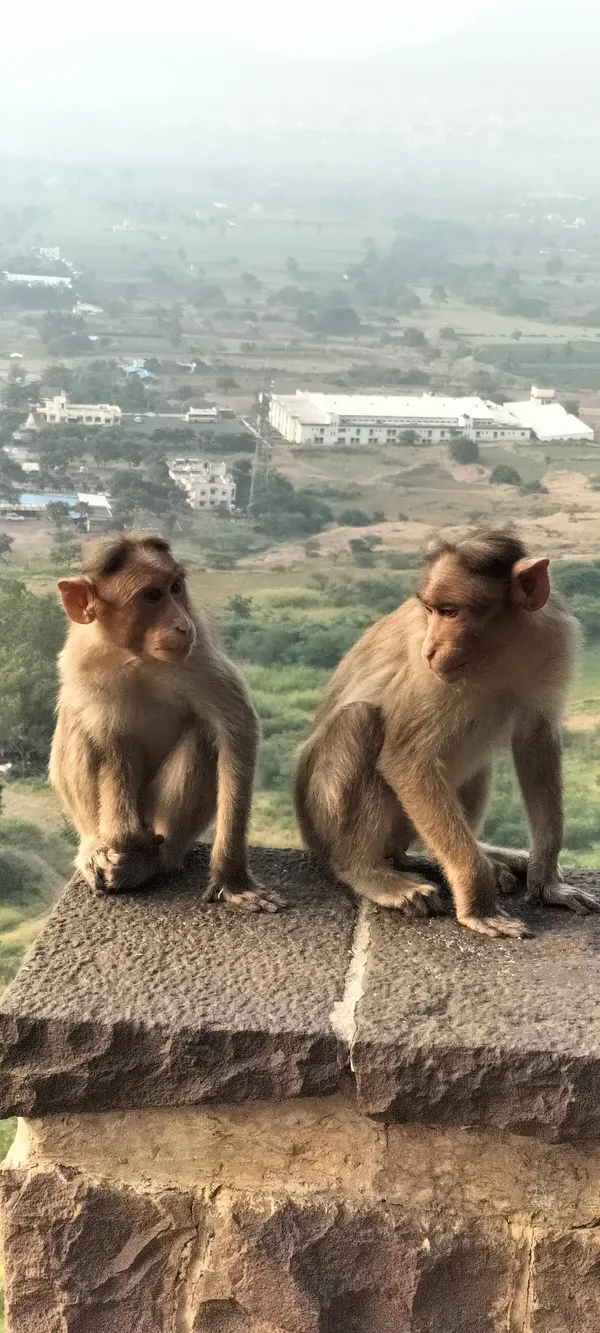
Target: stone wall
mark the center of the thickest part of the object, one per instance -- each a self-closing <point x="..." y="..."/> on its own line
<point x="324" y="1122"/>
<point x="296" y="1218"/>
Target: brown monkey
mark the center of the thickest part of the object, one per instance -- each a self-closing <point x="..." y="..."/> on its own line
<point x="155" y="734"/>
<point x="403" y="742"/>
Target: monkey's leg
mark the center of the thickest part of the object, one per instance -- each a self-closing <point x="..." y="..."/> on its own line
<point x="537" y="756"/>
<point x="356" y="819"/>
<point x="439" y="819"/>
<point x="181" y="800"/>
<point x="510" y="867"/>
<point x="193" y="786"/>
<point x="126" y="853"/>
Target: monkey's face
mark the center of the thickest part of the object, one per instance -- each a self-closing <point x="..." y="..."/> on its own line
<point x="151" y="618"/>
<point x="465" y="620"/>
<point x="142" y="610"/>
<point x="471" y="620"/>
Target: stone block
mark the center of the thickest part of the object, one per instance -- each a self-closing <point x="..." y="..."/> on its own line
<point x="83" y="1256"/>
<point x="154" y="998"/>
<point x="455" y="1028"/>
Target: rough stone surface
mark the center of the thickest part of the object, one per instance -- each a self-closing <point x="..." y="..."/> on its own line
<point x="89" y="1257"/>
<point x="455" y="1028"/>
<point x="564" y="1292"/>
<point x="156" y="998"/>
<point x="216" y="1219"/>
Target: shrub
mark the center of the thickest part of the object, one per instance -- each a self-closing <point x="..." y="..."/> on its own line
<point x="464" y="451"/>
<point x="503" y="475"/>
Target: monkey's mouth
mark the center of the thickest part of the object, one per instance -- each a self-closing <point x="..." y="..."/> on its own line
<point x="451" y="672"/>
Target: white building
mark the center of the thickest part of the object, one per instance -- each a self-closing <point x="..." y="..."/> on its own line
<point x="548" y="420"/>
<point x="37" y="279"/>
<point x="58" y="411"/>
<point x="208" y="485"/>
<point x="330" y="419"/>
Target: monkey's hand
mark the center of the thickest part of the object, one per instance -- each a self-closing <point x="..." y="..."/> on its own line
<point x="499" y="926"/>
<point x="242" y="891"/>
<point x="478" y="911"/>
<point x="552" y="892"/>
<point x="123" y="866"/>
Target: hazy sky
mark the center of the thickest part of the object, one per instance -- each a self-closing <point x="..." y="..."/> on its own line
<point x="342" y="27"/>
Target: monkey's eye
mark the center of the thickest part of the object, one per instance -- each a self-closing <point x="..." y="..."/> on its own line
<point x="152" y="594"/>
<point x="450" y="612"/>
<point x="177" y="587"/>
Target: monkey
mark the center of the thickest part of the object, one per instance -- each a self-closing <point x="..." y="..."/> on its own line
<point x="155" y="734"/>
<point x="403" y="743"/>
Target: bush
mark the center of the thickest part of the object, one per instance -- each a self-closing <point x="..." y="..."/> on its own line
<point x="503" y="475"/>
<point x="534" y="488"/>
<point x="354" y="518"/>
<point x="464" y="451"/>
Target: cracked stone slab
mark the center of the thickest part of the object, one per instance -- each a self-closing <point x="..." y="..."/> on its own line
<point x="453" y="1028"/>
<point x="154" y="998"/>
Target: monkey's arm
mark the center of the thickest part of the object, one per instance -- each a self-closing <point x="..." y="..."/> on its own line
<point x="439" y="819"/>
<point x="119" y="786"/>
<point x="537" y="754"/>
<point x="124" y="853"/>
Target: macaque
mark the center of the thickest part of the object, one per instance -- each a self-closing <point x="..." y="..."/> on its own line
<point x="403" y="743"/>
<point x="155" y="734"/>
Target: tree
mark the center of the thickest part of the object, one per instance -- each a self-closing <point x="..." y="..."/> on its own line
<point x="251" y="283"/>
<point x="239" y="606"/>
<point x="464" y="451"/>
<point x="6" y="545"/>
<point x="292" y="267"/>
<point x="156" y="495"/>
<point x="354" y="518"/>
<point x="414" y="337"/>
<point x="59" y="513"/>
<point x="65" y="551"/>
<point x="439" y="294"/>
<point x="341" y="321"/>
<point x="32" y="631"/>
<point x="503" y="475"/>
<point x="12" y="478"/>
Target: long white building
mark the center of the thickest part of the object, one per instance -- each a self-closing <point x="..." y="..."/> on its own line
<point x="330" y="419"/>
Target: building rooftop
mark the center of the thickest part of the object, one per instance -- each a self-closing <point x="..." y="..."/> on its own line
<point x="313" y="408"/>
<point x="549" y="421"/>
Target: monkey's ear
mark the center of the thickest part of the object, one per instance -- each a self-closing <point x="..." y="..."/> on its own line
<point x="78" y="599"/>
<point x="531" y="583"/>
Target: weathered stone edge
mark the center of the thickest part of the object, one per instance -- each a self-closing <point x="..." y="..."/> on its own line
<point x="93" y="1067"/>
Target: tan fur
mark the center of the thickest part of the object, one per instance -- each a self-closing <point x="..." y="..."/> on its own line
<point x="403" y="743"/>
<point x="155" y="734"/>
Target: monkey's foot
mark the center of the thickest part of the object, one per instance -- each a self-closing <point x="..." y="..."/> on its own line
<point x="114" y="870"/>
<point x="557" y="894"/>
<point x="497" y="927"/>
<point x="406" y="893"/>
<point x="249" y="897"/>
<point x="506" y="882"/>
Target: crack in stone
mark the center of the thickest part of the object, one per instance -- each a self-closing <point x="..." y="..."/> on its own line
<point x="519" y="1311"/>
<point x="343" y="1014"/>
